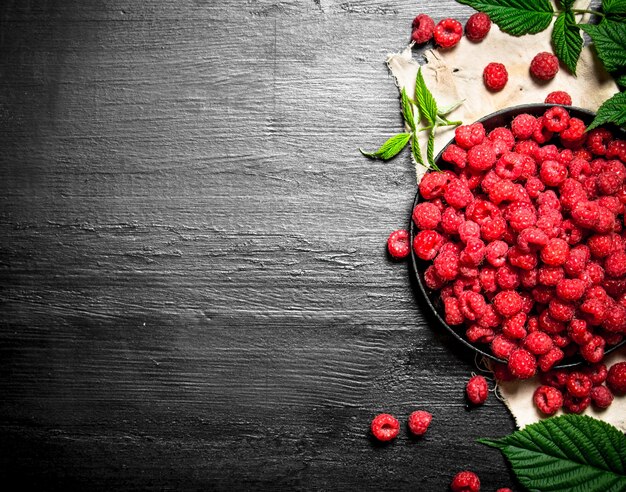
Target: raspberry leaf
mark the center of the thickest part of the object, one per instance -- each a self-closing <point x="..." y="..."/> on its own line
<point x="417" y="152"/>
<point x="567" y="40"/>
<point x="425" y="100"/>
<point x="407" y="110"/>
<point x="612" y="111"/>
<point x="514" y="16"/>
<point x="621" y="81"/>
<point x="430" y="149"/>
<point x="446" y="110"/>
<point x="569" y="452"/>
<point x="567" y="4"/>
<point x="609" y="38"/>
<point x="614" y="8"/>
<point x="390" y="148"/>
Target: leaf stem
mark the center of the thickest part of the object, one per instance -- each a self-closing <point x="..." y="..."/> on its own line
<point x="583" y="11"/>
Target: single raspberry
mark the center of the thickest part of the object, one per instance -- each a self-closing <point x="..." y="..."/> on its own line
<point x="534" y="186"/>
<point x="524" y="260"/>
<point x="423" y="27"/>
<point x="495" y="76"/>
<point x="489" y="179"/>
<point x="487" y="279"/>
<point x="503" y="191"/>
<point x="615" y="265"/>
<point x="544" y="66"/>
<point x="479" y="334"/>
<point x="573" y="404"/>
<point x="612" y="203"/>
<point x="617" y="167"/>
<point x="481" y="157"/>
<point x="385" y="427"/>
<point x="542" y="294"/>
<point x="549" y="360"/>
<point x="598" y="140"/>
<point x="477" y="27"/>
<point x="603" y="245"/>
<point x="433" y="184"/>
<point x="452" y="310"/>
<point x="472" y="305"/>
<point x="432" y="280"/>
<point x="574" y="135"/>
<point x="601" y="396"/>
<point x="593" y="351"/>
<point x="495" y="253"/>
<point x="541" y="134"/>
<point x="609" y="182"/>
<point x="508" y="279"/>
<point x="467" y="136"/>
<point x="419" y="422"/>
<point x="582" y="153"/>
<point x="552" y="173"/>
<point x="398" y="244"/>
<point x="572" y="192"/>
<point x="426" y="215"/>
<point x="504" y="489"/>
<point x="451" y="220"/>
<point x="579" y="169"/>
<point x="531" y="239"/>
<point x="455" y="155"/>
<point x="502" y="347"/>
<point x="528" y="278"/>
<point x="562" y="341"/>
<point x="427" y="243"/>
<point x="579" y="384"/>
<point x="597" y="373"/>
<point x="616" y="378"/>
<point x="447" y="266"/>
<point x="465" y="481"/>
<point x="521" y="215"/>
<point x="527" y="147"/>
<point x="457" y="194"/>
<point x="571" y="233"/>
<point x="538" y="343"/>
<point x="522" y="364"/>
<point x="561" y="310"/>
<point x="523" y="126"/>
<point x="615" y="319"/>
<point x="504" y="135"/>
<point x="548" y="399"/>
<point x="565" y="156"/>
<point x="473" y="253"/>
<point x="616" y="148"/>
<point x="481" y="211"/>
<point x="492" y="230"/>
<point x="549" y="324"/>
<point x="555" y="252"/>
<point x="570" y="289"/>
<point x="556" y="119"/>
<point x="559" y="97"/>
<point x="514" y="327"/>
<point x="448" y="33"/>
<point x="477" y="390"/>
<point x="551" y="276"/>
<point x="469" y="230"/>
<point x="510" y="165"/>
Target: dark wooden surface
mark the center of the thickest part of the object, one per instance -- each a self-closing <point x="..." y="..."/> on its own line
<point x="194" y="290"/>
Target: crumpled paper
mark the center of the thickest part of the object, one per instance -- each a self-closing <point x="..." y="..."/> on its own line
<point x="456" y="74"/>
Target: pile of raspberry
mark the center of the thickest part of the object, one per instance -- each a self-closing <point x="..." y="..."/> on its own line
<point x="525" y="235"/>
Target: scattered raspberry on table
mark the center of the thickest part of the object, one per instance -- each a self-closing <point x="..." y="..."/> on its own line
<point x="385" y="427"/>
<point x="419" y="422"/>
<point x="465" y="481"/>
<point x="477" y="390"/>
<point x="544" y="66"/>
<point x="477" y="26"/>
<point x="423" y="28"/>
<point x="495" y="76"/>
<point x="448" y="33"/>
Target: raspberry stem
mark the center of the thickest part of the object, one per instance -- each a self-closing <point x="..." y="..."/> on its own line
<point x="584" y="11"/>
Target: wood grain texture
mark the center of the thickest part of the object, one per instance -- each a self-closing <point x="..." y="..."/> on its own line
<point x="194" y="289"/>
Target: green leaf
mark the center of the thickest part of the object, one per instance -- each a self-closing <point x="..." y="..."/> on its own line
<point x="517" y="17"/>
<point x="407" y="110"/>
<point x="614" y="7"/>
<point x="567" y="4"/>
<point x="609" y="38"/>
<point x="430" y="150"/>
<point x="446" y="110"/>
<point x="425" y="100"/>
<point x="571" y="452"/>
<point x="611" y="111"/>
<point x="567" y="40"/>
<point x="390" y="148"/>
<point x="621" y="81"/>
<point x="417" y="152"/>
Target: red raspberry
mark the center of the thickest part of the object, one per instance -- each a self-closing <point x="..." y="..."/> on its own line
<point x="548" y="399"/>
<point x="455" y="155"/>
<point x="617" y="167"/>
<point x="469" y="230"/>
<point x="572" y="192"/>
<point x="573" y="404"/>
<point x="477" y="27"/>
<point x="502" y="347"/>
<point x="571" y="233"/>
<point x="467" y="136"/>
<point x="555" y="252"/>
<point x="495" y="76"/>
<point x="562" y="341"/>
<point x="579" y="169"/>
<point x="534" y="186"/>
<point x="615" y="319"/>
<point x="593" y="351"/>
<point x="531" y="239"/>
<point x="615" y="265"/>
<point x="561" y="310"/>
<point x="447" y="266"/>
<point x="501" y="372"/>
<point x="574" y="134"/>
<point x="473" y="253"/>
<point x="522" y="364"/>
<point x="602" y="245"/>
<point x="609" y="183"/>
<point x="487" y="278"/>
<point x="489" y="180"/>
<point x="451" y="220"/>
<point x="528" y="278"/>
<point x="385" y="427"/>
<point x="504" y="489"/>
<point x="570" y="289"/>
<point x="433" y="184"/>
<point x="538" y="343"/>
<point x="597" y="373"/>
<point x="448" y="33"/>
<point x="502" y="191"/>
<point x="566" y="156"/>
<point x="522" y="260"/>
<point x="477" y="390"/>
<point x="427" y="243"/>
<point x="453" y="314"/>
<point x="457" y="194"/>
<point x="510" y="166"/>
<point x="549" y="360"/>
<point x="612" y="203"/>
<point x="527" y="147"/>
<point x="552" y="173"/>
<point x="479" y="334"/>
<point x="472" y="305"/>
<point x="544" y="66"/>
<point x="541" y="134"/>
<point x="481" y="157"/>
<point x="542" y="294"/>
<point x="492" y="230"/>
<point x="419" y="422"/>
<point x="504" y="135"/>
<point x="549" y="324"/>
<point x="579" y="384"/>
<point x="582" y="154"/>
<point x="523" y="126"/>
<point x="557" y="378"/>
<point x="507" y="277"/>
<point x="616" y="378"/>
<point x="521" y="215"/>
<point x="426" y="215"/>
<point x="398" y="244"/>
<point x="495" y="253"/>
<point x="617" y="148"/>
<point x="465" y="481"/>
<point x="556" y="119"/>
<point x="559" y="97"/>
<point x="598" y="140"/>
<point x="551" y="276"/>
<point x="601" y="396"/>
<point x="432" y="280"/>
<point x="423" y="27"/>
<point x="514" y="327"/>
<point x="481" y="211"/>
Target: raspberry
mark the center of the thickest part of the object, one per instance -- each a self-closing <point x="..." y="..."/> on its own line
<point x="457" y="194"/>
<point x="479" y="334"/>
<point x="455" y="155"/>
<point x="571" y="233"/>
<point x="504" y="489"/>
<point x="477" y="390"/>
<point x="531" y="238"/>
<point x="453" y="314"/>
<point x="433" y="185"/>
<point x="528" y="278"/>
<point x="582" y="154"/>
<point x="427" y="243"/>
<point x="467" y="136"/>
<point x="489" y="179"/>
<point x="542" y="294"/>
<point x="612" y="203"/>
<point x="574" y="134"/>
<point x="477" y="27"/>
<point x="566" y="156"/>
<point x="555" y="252"/>
<point x="541" y="134"/>
<point x="551" y="276"/>
<point x="601" y="396"/>
<point x="597" y="373"/>
<point x="552" y="173"/>
<point x="523" y="126"/>
<point x="534" y="186"/>
<point x="451" y="220"/>
<point x="465" y="481"/>
<point x="419" y="422"/>
<point x="559" y="97"/>
<point x="502" y="347"/>
<point x="522" y="260"/>
<point x="495" y="253"/>
<point x="469" y="230"/>
<point x="598" y="140"/>
<point x="608" y="183"/>
<point x="426" y="215"/>
<point x="504" y="135"/>
<point x="448" y="33"/>
<point x="473" y="253"/>
<point x="615" y="265"/>
<point x="586" y="214"/>
<point x="495" y="76"/>
<point x="501" y="372"/>
<point x="615" y="319"/>
<point x="549" y="360"/>
<point x="616" y="148"/>
<point x="432" y="280"/>
<point x="514" y="327"/>
<point x="572" y="192"/>
<point x="556" y="119"/>
<point x="472" y="305"/>
<point x="538" y="343"/>
<point x="548" y="399"/>
<point x="385" y="427"/>
<point x="522" y="364"/>
<point x="616" y="378"/>
<point x="570" y="289"/>
<point x="521" y="216"/>
<point x="493" y="229"/>
<point x="579" y="384"/>
<point x="398" y="244"/>
<point x="560" y="310"/>
<point x="549" y="324"/>
<point x="447" y="266"/>
<point x="593" y="351"/>
<point x="507" y="278"/>
<point x="573" y="404"/>
<point x="423" y="27"/>
<point x="602" y="245"/>
<point x="503" y="190"/>
<point x="562" y="341"/>
<point x="527" y="147"/>
<point x="481" y="157"/>
<point x="510" y="166"/>
<point x="487" y="278"/>
<point x="481" y="211"/>
<point x="544" y="66"/>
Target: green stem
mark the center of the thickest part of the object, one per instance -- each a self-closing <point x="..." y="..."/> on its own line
<point x="583" y="11"/>
<point x="453" y="123"/>
<point x="425" y="129"/>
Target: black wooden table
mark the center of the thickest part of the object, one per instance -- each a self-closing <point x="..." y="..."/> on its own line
<point x="194" y="290"/>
